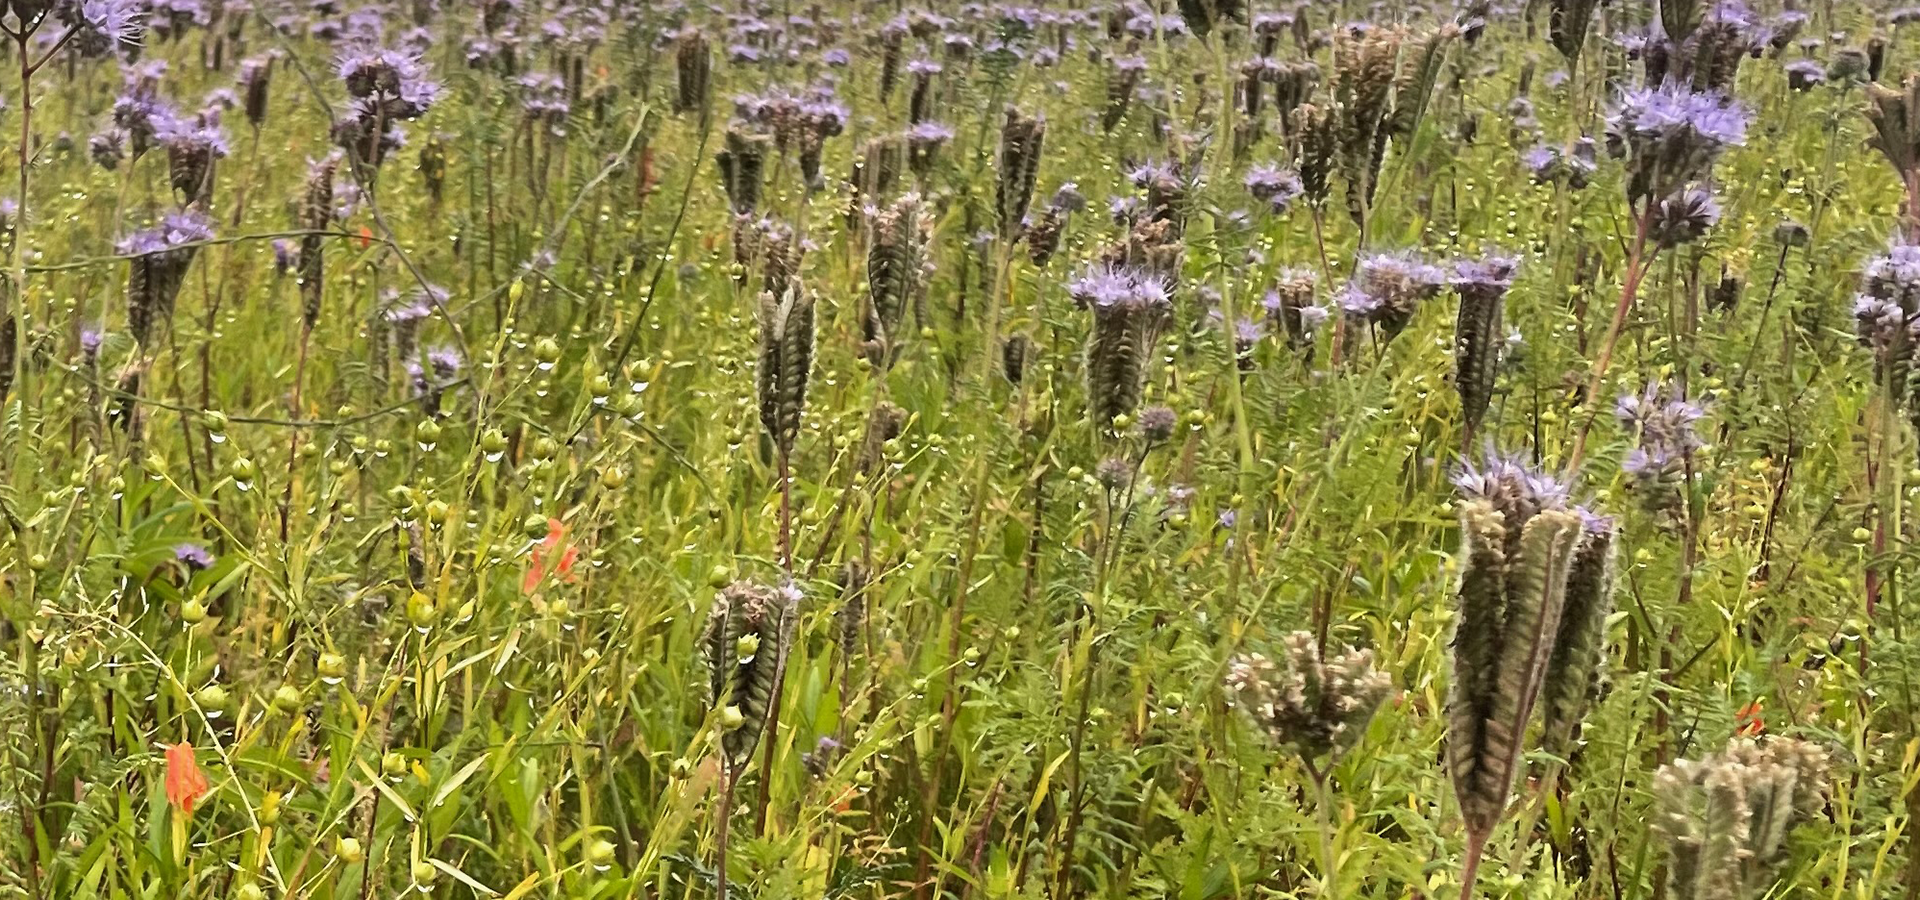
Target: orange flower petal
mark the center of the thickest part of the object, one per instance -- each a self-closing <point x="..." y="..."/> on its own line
<point x="185" y="783"/>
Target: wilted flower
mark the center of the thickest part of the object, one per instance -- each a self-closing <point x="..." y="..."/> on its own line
<point x="185" y="783"/>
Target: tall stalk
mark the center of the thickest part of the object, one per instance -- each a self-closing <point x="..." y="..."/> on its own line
<point x="1638" y="260"/>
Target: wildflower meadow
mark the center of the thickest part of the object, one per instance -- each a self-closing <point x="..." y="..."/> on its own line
<point x="924" y="449"/>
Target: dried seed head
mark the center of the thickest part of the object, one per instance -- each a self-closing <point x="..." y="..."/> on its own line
<point x="433" y="166"/>
<point x="741" y="166"/>
<point x="1021" y="139"/>
<point x="1014" y="357"/>
<point x="1123" y="79"/>
<point x="851" y="620"/>
<point x="1477" y="335"/>
<point x="896" y="260"/>
<point x="1725" y="817"/>
<point x="693" y="72"/>
<point x="1315" y="144"/>
<point x="786" y="362"/>
<point x="1287" y="303"/>
<point x="883" y="425"/>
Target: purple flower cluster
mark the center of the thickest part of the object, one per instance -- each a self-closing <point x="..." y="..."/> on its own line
<point x="1886" y="312"/>
<point x="544" y="96"/>
<point x="1388" y="288"/>
<point x="1274" y="186"/>
<point x="1671" y="136"/>
<point x="1488" y="276"/>
<point x="176" y="230"/>
<point x="101" y="27"/>
<point x="1805" y="74"/>
<point x="1106" y="286"/>
<point x="397" y="82"/>
<point x="387" y="87"/>
<point x="1574" y="165"/>
<point x="1516" y="490"/>
<point x="1665" y="440"/>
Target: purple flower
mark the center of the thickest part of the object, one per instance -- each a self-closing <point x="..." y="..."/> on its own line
<point x="1516" y="490"/>
<point x="1672" y="135"/>
<point x="1542" y="162"/>
<point x="445" y="362"/>
<point x="395" y="82"/>
<point x="1387" y="288"/>
<point x="1276" y="186"/>
<point x="1805" y="74"/>
<point x="286" y="255"/>
<point x="1104" y="286"/>
<point x="102" y="26"/>
<point x="1665" y="440"/>
<point x="175" y="231"/>
<point x="1490" y="276"/>
<point x="1683" y="217"/>
<point x="193" y="556"/>
<point x="108" y="148"/>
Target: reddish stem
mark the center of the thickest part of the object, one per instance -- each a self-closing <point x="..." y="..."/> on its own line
<point x="1629" y="289"/>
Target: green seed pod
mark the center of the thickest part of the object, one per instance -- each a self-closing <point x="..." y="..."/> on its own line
<point x="287" y="699"/>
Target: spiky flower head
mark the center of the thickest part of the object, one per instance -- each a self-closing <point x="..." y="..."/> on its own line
<point x="786" y="361"/>
<point x="1130" y="306"/>
<point x="896" y="273"/>
<point x="1320" y="707"/>
<point x="1477" y="340"/>
<point x="1288" y="302"/>
<point x="1684" y="217"/>
<point x="1725" y="817"/>
<point x="1519" y="541"/>
<point x="158" y="258"/>
<point x="1021" y="140"/>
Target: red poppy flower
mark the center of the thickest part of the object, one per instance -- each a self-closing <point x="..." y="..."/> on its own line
<point x="186" y="784"/>
<point x="555" y="553"/>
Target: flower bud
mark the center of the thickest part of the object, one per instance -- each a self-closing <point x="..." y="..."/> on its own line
<point x="287" y="699"/>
